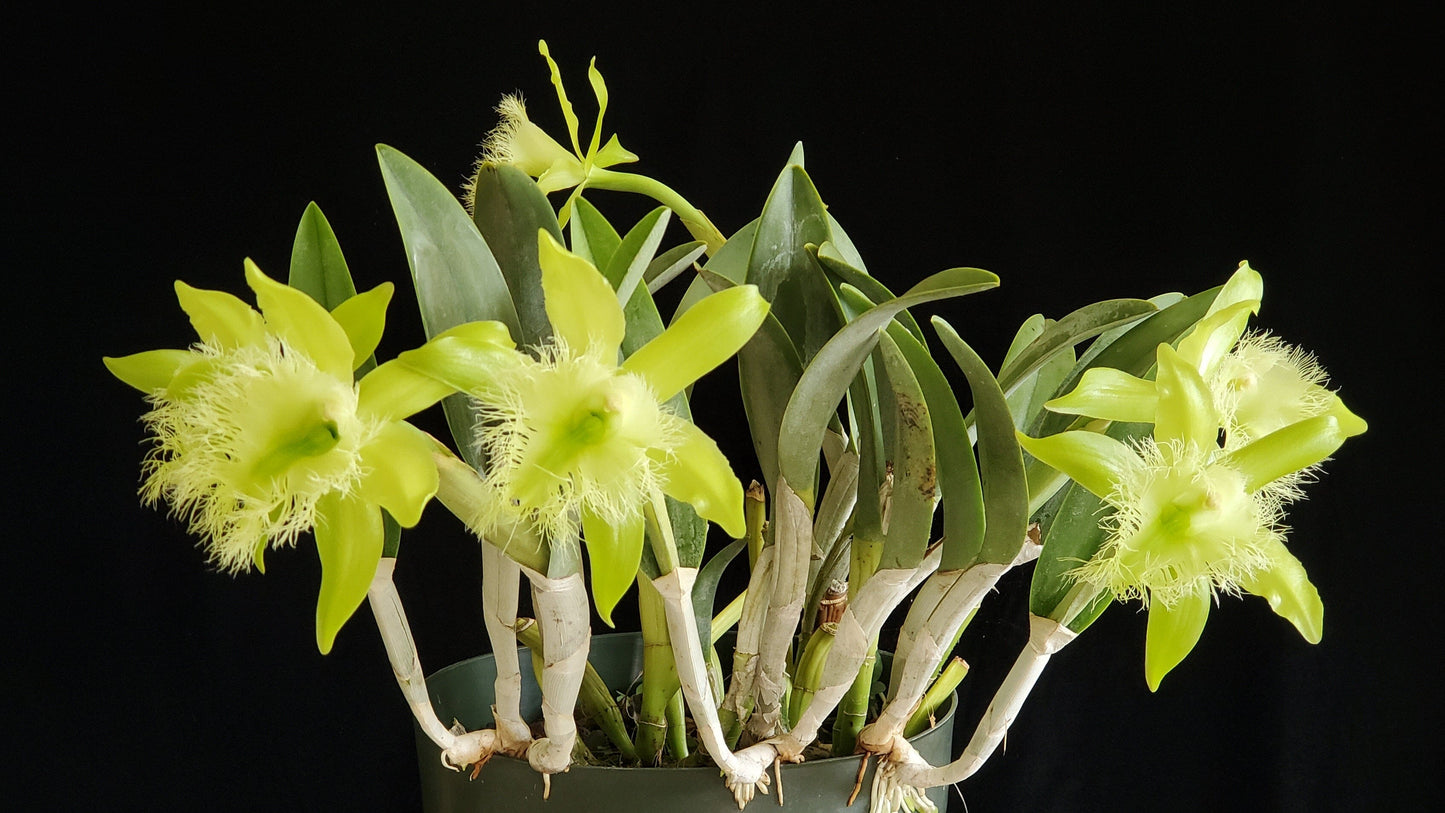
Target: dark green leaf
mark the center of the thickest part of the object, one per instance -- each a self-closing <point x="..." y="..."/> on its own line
<point x="592" y="236"/>
<point x="915" y="466"/>
<point x="825" y="380"/>
<point x="832" y="261"/>
<point x="509" y="211"/>
<point x="1084" y="323"/>
<point x="456" y="277"/>
<point x="1000" y="460"/>
<point x="704" y="590"/>
<point x="317" y="265"/>
<point x="779" y="264"/>
<point x="671" y="263"/>
<point x="768" y="370"/>
<point x="635" y="252"/>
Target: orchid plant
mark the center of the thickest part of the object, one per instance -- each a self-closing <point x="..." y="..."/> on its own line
<point x="1137" y="449"/>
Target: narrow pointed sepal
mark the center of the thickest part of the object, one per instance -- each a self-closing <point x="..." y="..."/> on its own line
<point x="302" y="322"/>
<point x="219" y="318"/>
<point x="697" y="473"/>
<point x="395" y="390"/>
<point x="1186" y="412"/>
<point x="349" y="537"/>
<point x="615" y="552"/>
<point x="363" y="318"/>
<point x="1288" y="450"/>
<point x="1172" y="634"/>
<point x="1287" y="588"/>
<point x="148" y="371"/>
<point x="1093" y="460"/>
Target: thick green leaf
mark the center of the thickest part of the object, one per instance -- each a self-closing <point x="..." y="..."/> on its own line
<point x="317" y="265"/>
<point x="508" y="211"/>
<point x="832" y="261"/>
<point x="958" y="478"/>
<point x="768" y="370"/>
<point x="668" y="265"/>
<point x="843" y="245"/>
<point x="592" y="236"/>
<point x="634" y="254"/>
<point x="827" y="377"/>
<point x="1000" y="461"/>
<point x="704" y="590"/>
<point x="915" y="466"/>
<point x="456" y="277"/>
<point x="780" y="265"/>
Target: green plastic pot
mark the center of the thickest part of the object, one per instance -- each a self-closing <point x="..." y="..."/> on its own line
<point x="463" y="691"/>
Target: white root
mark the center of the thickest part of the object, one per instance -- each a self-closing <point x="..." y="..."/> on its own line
<point x="744" y="777"/>
<point x="500" y="582"/>
<point x="857" y="631"/>
<point x="903" y="768"/>
<point x="792" y="540"/>
<point x="943" y="603"/>
<point x="750" y="630"/>
<point x="459" y="749"/>
<point x="561" y="606"/>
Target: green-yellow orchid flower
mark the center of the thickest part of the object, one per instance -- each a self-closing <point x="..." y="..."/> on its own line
<point x="1258" y="383"/>
<point x="519" y="142"/>
<point x="1192" y="519"/>
<point x="259" y="432"/>
<point x="575" y="439"/>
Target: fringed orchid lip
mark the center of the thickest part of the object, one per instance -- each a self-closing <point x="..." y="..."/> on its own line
<point x="259" y="433"/>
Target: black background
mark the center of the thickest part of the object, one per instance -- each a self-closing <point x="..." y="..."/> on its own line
<point x="1080" y="154"/>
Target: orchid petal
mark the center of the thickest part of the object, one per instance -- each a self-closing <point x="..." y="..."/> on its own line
<point x="612" y="154"/>
<point x="705" y="336"/>
<point x="467" y="358"/>
<point x="567" y="112"/>
<point x="1093" y="460"/>
<point x="1288" y="450"/>
<point x="1287" y="588"/>
<point x="1112" y="395"/>
<point x="615" y="552"/>
<point x="1244" y="285"/>
<point x="151" y="370"/>
<point x="363" y="318"/>
<point x="581" y="306"/>
<point x="1215" y="335"/>
<point x="1350" y="423"/>
<point x="220" y="319"/>
<point x="401" y="474"/>
<point x="1186" y="410"/>
<point x="395" y="390"/>
<point x="1172" y="634"/>
<point x="564" y="173"/>
<point x="697" y="473"/>
<point x="599" y="89"/>
<point x="349" y="538"/>
<point x="302" y="322"/>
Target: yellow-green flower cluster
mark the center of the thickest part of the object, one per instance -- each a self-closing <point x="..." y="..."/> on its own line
<point x="260" y="433"/>
<point x="1238" y="424"/>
